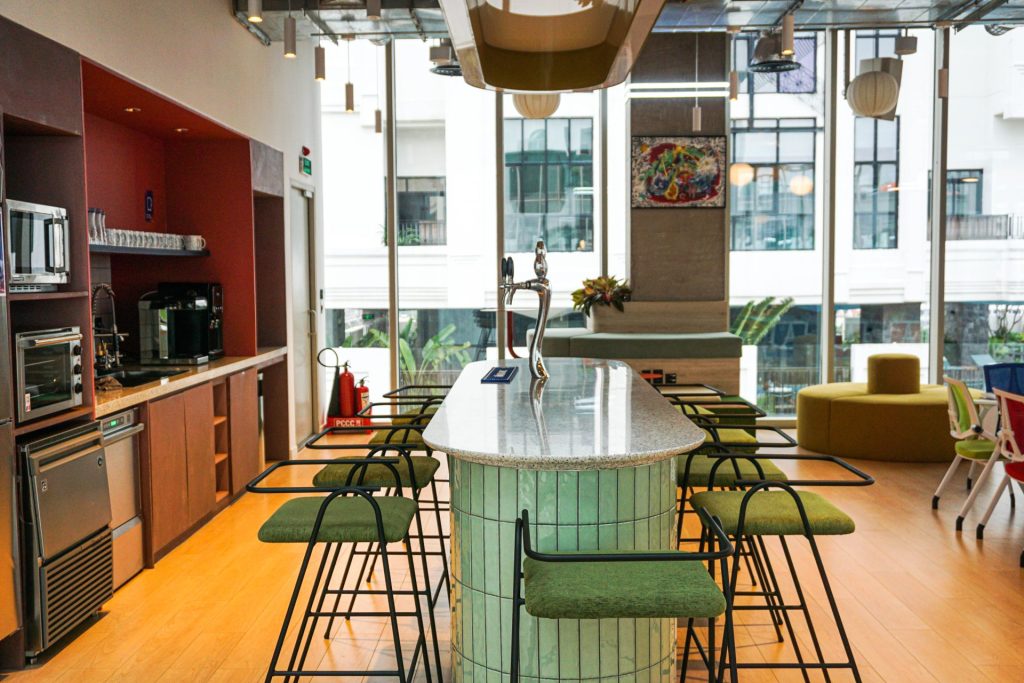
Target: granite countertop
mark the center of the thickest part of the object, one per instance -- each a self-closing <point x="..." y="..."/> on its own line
<point x="590" y="414"/>
<point x="108" y="402"/>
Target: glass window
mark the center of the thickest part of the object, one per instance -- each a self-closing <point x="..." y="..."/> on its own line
<point x="421" y="212"/>
<point x="882" y="250"/>
<point x="775" y="218"/>
<point x="773" y="182"/>
<point x="984" y="316"/>
<point x="876" y="183"/>
<point x="549" y="187"/>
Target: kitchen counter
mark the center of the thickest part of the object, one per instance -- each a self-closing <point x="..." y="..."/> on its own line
<point x="590" y="453"/>
<point x="108" y="402"/>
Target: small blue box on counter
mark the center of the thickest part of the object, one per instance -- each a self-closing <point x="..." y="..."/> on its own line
<point x="499" y="375"/>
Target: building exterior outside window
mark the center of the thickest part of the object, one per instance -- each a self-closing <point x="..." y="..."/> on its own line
<point x="964" y="190"/>
<point x="876" y="180"/>
<point x="773" y="190"/>
<point x="421" y="211"/>
<point x="549" y="184"/>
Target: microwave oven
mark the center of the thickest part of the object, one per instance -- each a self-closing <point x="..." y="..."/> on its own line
<point x="38" y="245"/>
<point x="48" y="371"/>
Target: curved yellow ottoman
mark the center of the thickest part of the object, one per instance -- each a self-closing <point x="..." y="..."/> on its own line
<point x="843" y="419"/>
<point x="892" y="417"/>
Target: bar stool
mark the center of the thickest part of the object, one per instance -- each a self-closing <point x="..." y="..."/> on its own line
<point x="758" y="512"/>
<point x="625" y="585"/>
<point x="345" y="515"/>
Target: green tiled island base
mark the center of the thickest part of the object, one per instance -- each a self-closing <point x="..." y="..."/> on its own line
<point x="627" y="508"/>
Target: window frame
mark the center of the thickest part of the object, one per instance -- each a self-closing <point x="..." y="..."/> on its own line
<point x="876" y="164"/>
<point x="565" y="169"/>
<point x="441" y="222"/>
<point x="777" y="166"/>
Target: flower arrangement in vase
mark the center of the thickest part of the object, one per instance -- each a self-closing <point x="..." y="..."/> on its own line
<point x="602" y="292"/>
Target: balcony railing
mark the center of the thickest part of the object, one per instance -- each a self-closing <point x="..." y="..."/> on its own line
<point x="421" y="233"/>
<point x="985" y="227"/>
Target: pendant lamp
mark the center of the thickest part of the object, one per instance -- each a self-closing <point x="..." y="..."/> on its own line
<point x="548" y="45"/>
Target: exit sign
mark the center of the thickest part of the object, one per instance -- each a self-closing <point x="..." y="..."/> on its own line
<point x="305" y="166"/>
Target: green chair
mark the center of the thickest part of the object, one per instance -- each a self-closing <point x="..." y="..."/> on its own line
<point x="625" y="585"/>
<point x="973" y="445"/>
<point x="416" y="473"/>
<point x="759" y="512"/>
<point x="346" y="515"/>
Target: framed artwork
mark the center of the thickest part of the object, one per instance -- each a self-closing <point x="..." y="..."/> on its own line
<point x="678" y="172"/>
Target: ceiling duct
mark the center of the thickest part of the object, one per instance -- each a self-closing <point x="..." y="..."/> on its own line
<point x="768" y="58"/>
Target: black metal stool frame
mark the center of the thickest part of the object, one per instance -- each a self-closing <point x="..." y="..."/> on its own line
<point x="714" y="533"/>
<point x="405" y="452"/>
<point x="772" y="591"/>
<point x="365" y="492"/>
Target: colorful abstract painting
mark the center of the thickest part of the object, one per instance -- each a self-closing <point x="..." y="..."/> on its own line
<point x="678" y="172"/>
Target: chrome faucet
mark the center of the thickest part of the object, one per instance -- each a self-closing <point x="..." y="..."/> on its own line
<point x="540" y="285"/>
<point x="108" y="359"/>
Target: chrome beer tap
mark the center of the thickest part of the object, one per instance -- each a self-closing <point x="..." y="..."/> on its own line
<point x="540" y="285"/>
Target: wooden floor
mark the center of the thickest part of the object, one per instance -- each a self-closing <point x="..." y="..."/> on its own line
<point x="921" y="602"/>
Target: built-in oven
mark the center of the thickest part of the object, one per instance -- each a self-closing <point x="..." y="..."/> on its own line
<point x="48" y="371"/>
<point x="38" y="244"/>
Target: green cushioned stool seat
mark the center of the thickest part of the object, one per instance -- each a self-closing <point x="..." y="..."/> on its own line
<point x="413" y="437"/>
<point x="347" y="520"/>
<point x="336" y="476"/>
<point x="976" y="449"/>
<point x="725" y="475"/>
<point x="626" y="590"/>
<point x="774" y="513"/>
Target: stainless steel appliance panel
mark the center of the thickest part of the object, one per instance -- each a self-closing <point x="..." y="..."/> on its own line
<point x="48" y="371"/>
<point x="38" y="244"/>
<point x="10" y="592"/>
<point x="128" y="551"/>
<point x="120" y="442"/>
<point x="70" y="493"/>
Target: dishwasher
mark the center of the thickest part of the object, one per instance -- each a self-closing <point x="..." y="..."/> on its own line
<point x="121" y="443"/>
<point x="67" y="539"/>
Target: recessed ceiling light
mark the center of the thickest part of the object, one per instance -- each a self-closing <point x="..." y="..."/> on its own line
<point x="181" y="130"/>
<point x="133" y="110"/>
<point x="969" y="180"/>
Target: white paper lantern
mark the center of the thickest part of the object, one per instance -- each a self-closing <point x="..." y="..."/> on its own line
<point x="536" y="105"/>
<point x="741" y="174"/>
<point x="873" y="93"/>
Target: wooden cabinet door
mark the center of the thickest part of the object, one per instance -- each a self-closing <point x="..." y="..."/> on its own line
<point x="244" y="426"/>
<point x="199" y="440"/>
<point x="169" y="517"/>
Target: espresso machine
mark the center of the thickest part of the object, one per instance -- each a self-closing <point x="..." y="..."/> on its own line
<point x="181" y="323"/>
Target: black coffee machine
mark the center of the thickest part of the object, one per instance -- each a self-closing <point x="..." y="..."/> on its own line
<point x="182" y="323"/>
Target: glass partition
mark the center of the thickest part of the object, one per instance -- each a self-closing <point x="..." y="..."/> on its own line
<point x="984" y="315"/>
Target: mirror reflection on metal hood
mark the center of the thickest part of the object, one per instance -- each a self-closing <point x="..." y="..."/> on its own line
<point x="548" y="45"/>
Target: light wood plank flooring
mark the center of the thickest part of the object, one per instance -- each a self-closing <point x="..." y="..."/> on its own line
<point x="921" y="602"/>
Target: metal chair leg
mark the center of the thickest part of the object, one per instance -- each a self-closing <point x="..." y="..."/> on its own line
<point x="1003" y="485"/>
<point x="953" y="466"/>
<point x="969" y="503"/>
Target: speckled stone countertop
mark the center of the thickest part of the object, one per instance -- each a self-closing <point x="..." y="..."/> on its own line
<point x="108" y="402"/>
<point x="590" y="414"/>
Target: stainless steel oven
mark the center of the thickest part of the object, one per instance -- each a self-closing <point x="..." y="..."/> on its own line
<point x="38" y="243"/>
<point x="48" y="370"/>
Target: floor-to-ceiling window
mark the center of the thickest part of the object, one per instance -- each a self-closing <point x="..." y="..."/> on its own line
<point x="355" y="248"/>
<point x="882" y="212"/>
<point x="775" y="199"/>
<point x="984" y="313"/>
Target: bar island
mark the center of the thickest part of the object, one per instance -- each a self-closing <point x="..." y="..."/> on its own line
<point x="590" y="454"/>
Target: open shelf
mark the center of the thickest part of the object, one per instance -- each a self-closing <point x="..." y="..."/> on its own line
<point x="218" y="420"/>
<point x="221" y="495"/>
<point x="145" y="251"/>
<point x="219" y="458"/>
<point x="44" y="296"/>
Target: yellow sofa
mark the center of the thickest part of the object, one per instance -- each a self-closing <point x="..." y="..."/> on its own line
<point x="891" y="418"/>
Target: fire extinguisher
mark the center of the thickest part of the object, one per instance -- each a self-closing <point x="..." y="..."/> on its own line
<point x="361" y="396"/>
<point x="346" y="389"/>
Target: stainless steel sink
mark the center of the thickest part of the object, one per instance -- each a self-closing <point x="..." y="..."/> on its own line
<point x="134" y="378"/>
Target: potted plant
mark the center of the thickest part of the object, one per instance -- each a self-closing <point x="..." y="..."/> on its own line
<point x="602" y="292"/>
